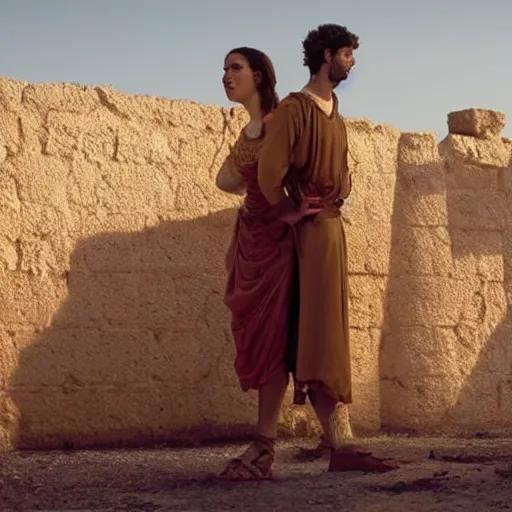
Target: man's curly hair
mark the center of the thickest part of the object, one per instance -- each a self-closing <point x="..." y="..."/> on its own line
<point x="326" y="37"/>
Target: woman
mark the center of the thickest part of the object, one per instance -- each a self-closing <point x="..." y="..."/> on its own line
<point x="260" y="263"/>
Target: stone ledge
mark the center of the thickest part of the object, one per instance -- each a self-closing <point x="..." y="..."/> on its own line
<point x="460" y="150"/>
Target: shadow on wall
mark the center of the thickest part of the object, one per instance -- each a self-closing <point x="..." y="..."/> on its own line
<point x="140" y="350"/>
<point x="446" y="348"/>
<point x="482" y="250"/>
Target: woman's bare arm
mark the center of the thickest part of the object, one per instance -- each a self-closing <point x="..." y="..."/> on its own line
<point x="229" y="179"/>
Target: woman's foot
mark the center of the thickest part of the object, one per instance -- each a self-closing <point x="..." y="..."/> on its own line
<point x="255" y="463"/>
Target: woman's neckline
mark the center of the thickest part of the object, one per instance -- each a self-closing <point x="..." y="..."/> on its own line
<point x="254" y="138"/>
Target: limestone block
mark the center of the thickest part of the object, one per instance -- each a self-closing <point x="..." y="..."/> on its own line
<point x="139" y="146"/>
<point x="486" y="307"/>
<point x="64" y="129"/>
<point x="505" y="180"/>
<point x="10" y="207"/>
<point x="372" y="148"/>
<point x="372" y="199"/>
<point x="420" y="196"/>
<point x="360" y="126"/>
<point x="32" y="132"/>
<point x="486" y="209"/>
<point x="113" y="416"/>
<point x="459" y="150"/>
<point x="369" y="248"/>
<point x="426" y="301"/>
<point x="417" y="150"/>
<point x="9" y="134"/>
<point x="507" y="254"/>
<point x="476" y="122"/>
<point x="130" y="188"/>
<point x="385" y="140"/>
<point x="9" y="258"/>
<point x="497" y="309"/>
<point x="10" y="93"/>
<point x="420" y="380"/>
<point x="8" y="358"/>
<point x="87" y="356"/>
<point x="172" y="114"/>
<point x="365" y="354"/>
<point x="60" y="97"/>
<point x="478" y="253"/>
<point x="486" y="383"/>
<point x="78" y="398"/>
<point x="361" y="152"/>
<point x="366" y="300"/>
<point x="180" y="248"/>
<point x="9" y="419"/>
<point x="40" y="257"/>
<point x="421" y="251"/>
<point x="27" y="298"/>
<point x="473" y="177"/>
<point x="99" y="138"/>
<point x="142" y="299"/>
<point x="433" y="377"/>
<point x="47" y="185"/>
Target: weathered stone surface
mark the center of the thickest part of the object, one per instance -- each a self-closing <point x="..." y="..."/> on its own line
<point x="112" y="243"/>
<point x="462" y="150"/>
<point x="476" y="122"/>
<point x="420" y="195"/>
<point x="422" y="251"/>
<point x="422" y="300"/>
<point x="478" y="253"/>
<point x="417" y="150"/>
<point x="10" y="93"/>
<point x="486" y="210"/>
<point x="409" y="402"/>
<point x="365" y="364"/>
<point x="367" y="295"/>
<point x="370" y="248"/>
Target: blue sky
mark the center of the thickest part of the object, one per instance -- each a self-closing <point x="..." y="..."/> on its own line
<point x="416" y="63"/>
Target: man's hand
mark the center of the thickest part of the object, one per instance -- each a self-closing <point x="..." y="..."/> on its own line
<point x="295" y="216"/>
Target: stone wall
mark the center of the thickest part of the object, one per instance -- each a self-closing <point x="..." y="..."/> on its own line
<point x="112" y="239"/>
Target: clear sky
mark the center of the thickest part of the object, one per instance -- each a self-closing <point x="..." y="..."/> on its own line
<point x="417" y="60"/>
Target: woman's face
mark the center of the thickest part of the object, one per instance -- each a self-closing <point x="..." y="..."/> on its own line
<point x="239" y="80"/>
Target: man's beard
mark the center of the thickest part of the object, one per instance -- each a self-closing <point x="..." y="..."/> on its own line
<point x="337" y="74"/>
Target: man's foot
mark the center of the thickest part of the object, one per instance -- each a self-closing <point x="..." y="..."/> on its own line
<point x="323" y="449"/>
<point x="254" y="464"/>
<point x="351" y="458"/>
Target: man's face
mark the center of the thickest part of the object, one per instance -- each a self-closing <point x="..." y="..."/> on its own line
<point x="340" y="64"/>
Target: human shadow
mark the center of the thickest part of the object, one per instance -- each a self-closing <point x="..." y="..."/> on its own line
<point x="140" y="351"/>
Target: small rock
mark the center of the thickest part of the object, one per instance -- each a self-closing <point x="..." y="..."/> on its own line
<point x="476" y="122"/>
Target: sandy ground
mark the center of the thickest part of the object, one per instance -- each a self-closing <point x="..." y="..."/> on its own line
<point x="442" y="475"/>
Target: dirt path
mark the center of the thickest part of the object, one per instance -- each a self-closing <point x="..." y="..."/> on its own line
<point x="444" y="475"/>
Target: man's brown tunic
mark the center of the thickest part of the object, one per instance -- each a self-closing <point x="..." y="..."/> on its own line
<point x="305" y="151"/>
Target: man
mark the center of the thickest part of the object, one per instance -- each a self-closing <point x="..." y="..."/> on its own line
<point x="304" y="157"/>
